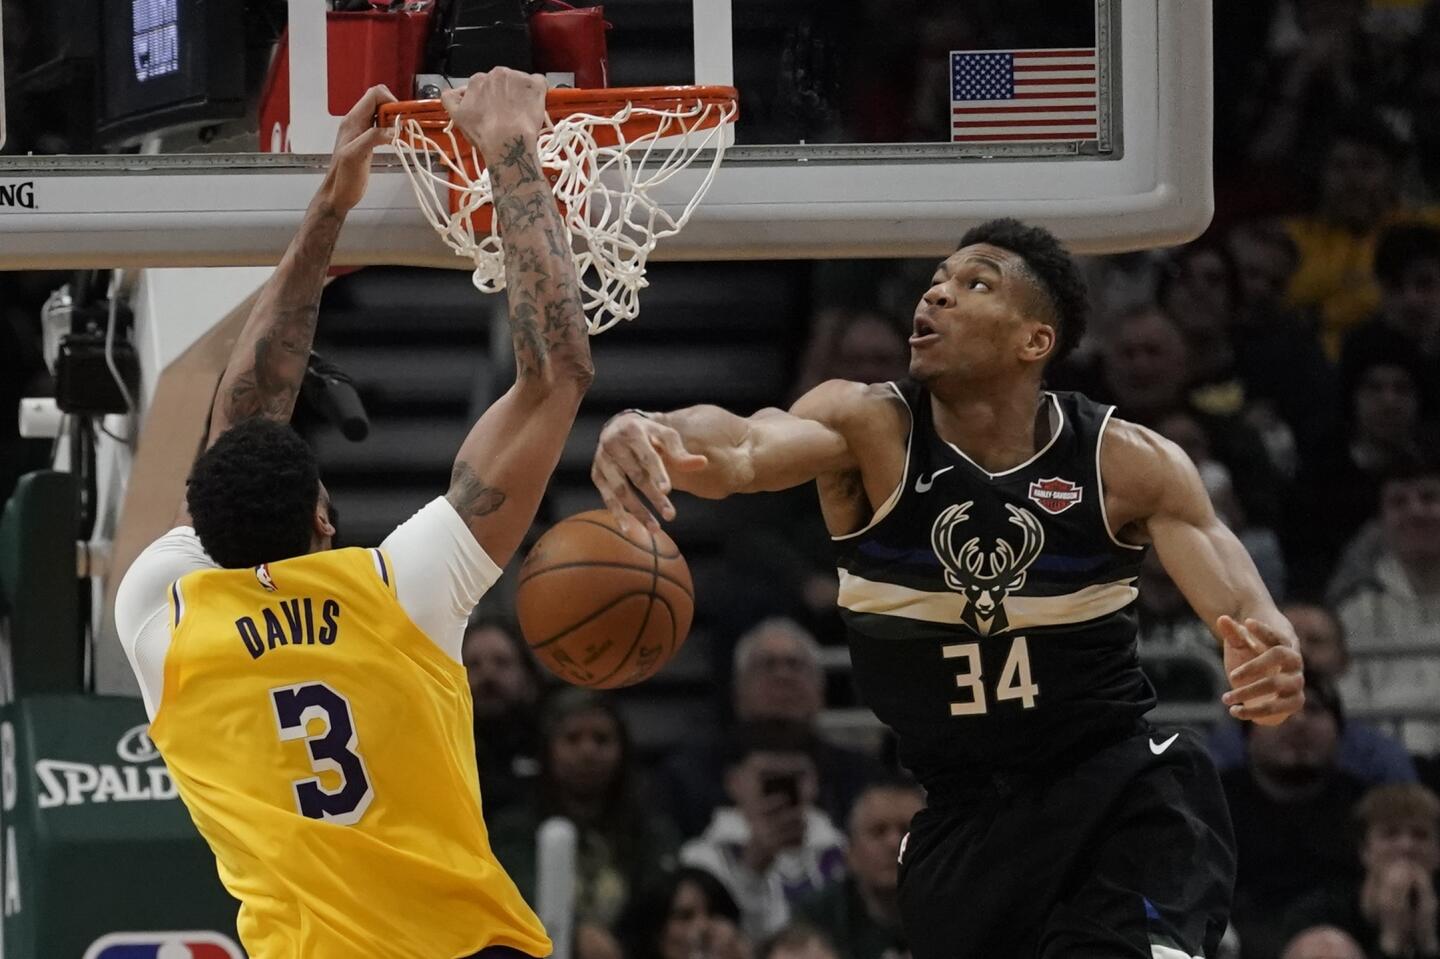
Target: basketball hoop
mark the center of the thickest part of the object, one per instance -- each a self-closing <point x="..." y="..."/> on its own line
<point x="606" y="153"/>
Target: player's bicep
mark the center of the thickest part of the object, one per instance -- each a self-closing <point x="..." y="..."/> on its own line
<point x="1200" y="553"/>
<point x="504" y="465"/>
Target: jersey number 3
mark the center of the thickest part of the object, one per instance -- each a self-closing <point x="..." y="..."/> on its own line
<point x="1015" y="682"/>
<point x="332" y="750"/>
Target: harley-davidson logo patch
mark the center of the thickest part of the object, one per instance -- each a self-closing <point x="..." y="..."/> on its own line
<point x="1055" y="495"/>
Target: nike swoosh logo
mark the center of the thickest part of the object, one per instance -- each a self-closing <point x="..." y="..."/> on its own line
<point x="1158" y="748"/>
<point x="923" y="485"/>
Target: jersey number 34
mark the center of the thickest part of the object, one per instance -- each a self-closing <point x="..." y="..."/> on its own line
<point x="344" y="795"/>
<point x="1015" y="682"/>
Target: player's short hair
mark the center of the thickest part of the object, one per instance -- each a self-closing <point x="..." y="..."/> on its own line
<point x="252" y="495"/>
<point x="1054" y="272"/>
<point x="1396" y="803"/>
<point x="1402" y="246"/>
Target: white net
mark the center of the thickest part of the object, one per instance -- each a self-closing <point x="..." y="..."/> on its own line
<point x="610" y="195"/>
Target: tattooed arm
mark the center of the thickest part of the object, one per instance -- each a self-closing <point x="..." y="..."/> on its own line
<point x="268" y="361"/>
<point x="505" y="463"/>
<point x="267" y="364"/>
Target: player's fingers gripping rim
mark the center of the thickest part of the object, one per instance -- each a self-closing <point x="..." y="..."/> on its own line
<point x="362" y="115"/>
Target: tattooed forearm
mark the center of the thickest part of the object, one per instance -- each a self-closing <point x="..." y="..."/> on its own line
<point x="268" y="363"/>
<point x="547" y="320"/>
<point x="520" y="156"/>
<point x="469" y="494"/>
<point x="271" y="383"/>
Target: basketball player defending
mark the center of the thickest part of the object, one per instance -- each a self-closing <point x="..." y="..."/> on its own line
<point x="310" y="703"/>
<point x="989" y="536"/>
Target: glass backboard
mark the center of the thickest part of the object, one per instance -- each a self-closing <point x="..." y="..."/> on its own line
<point x="867" y="128"/>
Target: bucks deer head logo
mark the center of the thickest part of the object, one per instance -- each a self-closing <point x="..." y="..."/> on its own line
<point x="985" y="577"/>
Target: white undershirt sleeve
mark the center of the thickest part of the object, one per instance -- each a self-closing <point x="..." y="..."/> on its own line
<point x="440" y="572"/>
<point x="142" y="606"/>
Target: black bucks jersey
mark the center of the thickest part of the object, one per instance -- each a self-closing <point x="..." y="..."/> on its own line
<point x="991" y="615"/>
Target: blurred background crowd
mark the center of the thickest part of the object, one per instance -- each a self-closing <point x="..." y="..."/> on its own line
<point x="740" y="806"/>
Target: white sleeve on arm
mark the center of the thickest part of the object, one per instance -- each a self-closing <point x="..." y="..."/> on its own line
<point x="142" y="603"/>
<point x="440" y="572"/>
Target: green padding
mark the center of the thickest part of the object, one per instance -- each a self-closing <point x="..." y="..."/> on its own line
<point x="38" y="581"/>
<point x="96" y="841"/>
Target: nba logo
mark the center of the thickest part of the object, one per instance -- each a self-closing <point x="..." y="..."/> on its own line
<point x="163" y="945"/>
<point x="262" y="573"/>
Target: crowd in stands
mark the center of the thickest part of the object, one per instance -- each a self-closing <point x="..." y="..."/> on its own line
<point x="1293" y="352"/>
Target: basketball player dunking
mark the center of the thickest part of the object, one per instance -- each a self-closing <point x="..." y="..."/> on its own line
<point x="310" y="702"/>
<point x="989" y="536"/>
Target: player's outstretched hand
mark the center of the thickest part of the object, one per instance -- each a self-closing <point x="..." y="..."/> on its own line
<point x="636" y="453"/>
<point x="354" y="145"/>
<point x="497" y="106"/>
<point x="1267" y="680"/>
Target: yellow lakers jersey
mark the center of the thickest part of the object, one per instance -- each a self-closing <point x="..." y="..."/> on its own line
<point x="324" y="747"/>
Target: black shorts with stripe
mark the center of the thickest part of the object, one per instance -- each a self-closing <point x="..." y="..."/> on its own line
<point x="1125" y="853"/>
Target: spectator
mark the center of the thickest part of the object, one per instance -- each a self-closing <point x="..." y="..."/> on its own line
<point x="1395" y="600"/>
<point x="1186" y="430"/>
<point x="1322" y="68"/>
<point x="505" y="686"/>
<point x="1323" y="942"/>
<point x="861" y="914"/>
<point x="683" y="914"/>
<point x="1407" y="269"/>
<point x="1391" y="909"/>
<point x="798" y="941"/>
<point x="586" y="777"/>
<point x="852" y="344"/>
<point x="772" y="845"/>
<point x="777" y="677"/>
<point x="1201" y="291"/>
<point x="1359" y="197"/>
<point x="1339" y="490"/>
<point x="1291" y="806"/>
<point x="1145" y="372"/>
<point x="1364" y="751"/>
<point x="1278" y="354"/>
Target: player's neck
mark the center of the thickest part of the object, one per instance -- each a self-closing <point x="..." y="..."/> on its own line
<point x="999" y="426"/>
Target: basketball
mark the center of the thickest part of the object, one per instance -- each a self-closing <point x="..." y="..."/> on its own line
<point x="600" y="608"/>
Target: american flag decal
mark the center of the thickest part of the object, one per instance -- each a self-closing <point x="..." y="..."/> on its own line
<point x="1023" y="96"/>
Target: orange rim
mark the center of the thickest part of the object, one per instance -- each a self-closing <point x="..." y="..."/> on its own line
<point x="431" y="115"/>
